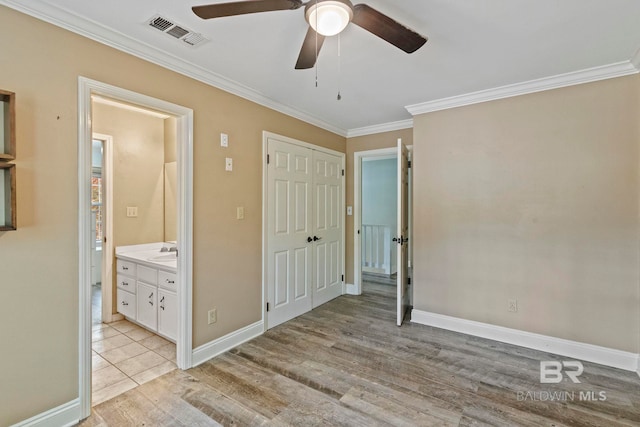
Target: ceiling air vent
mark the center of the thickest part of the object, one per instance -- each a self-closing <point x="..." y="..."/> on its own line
<point x="176" y="31"/>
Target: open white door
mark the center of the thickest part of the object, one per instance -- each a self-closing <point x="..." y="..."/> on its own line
<point x="402" y="233"/>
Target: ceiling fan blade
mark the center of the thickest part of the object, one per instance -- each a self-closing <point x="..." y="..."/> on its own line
<point x="243" y="7"/>
<point x="387" y="29"/>
<point x="308" y="52"/>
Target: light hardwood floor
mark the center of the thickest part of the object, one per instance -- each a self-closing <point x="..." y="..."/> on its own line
<point x="347" y="364"/>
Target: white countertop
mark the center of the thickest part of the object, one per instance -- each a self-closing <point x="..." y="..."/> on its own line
<point x="147" y="254"/>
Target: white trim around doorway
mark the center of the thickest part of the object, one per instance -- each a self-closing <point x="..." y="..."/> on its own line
<point x="184" y="116"/>
<point x="355" y="288"/>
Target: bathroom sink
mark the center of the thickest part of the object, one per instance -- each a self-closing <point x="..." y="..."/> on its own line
<point x="164" y="258"/>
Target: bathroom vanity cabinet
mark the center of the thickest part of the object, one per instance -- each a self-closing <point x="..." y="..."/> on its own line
<point x="147" y="296"/>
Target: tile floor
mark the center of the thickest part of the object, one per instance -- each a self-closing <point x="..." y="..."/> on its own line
<point x="125" y="356"/>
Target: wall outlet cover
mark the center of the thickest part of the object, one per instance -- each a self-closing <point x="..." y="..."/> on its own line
<point x="213" y="316"/>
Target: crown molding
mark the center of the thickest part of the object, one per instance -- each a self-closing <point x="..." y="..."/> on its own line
<point x="384" y="127"/>
<point x="604" y="72"/>
<point x="635" y="60"/>
<point x="68" y="20"/>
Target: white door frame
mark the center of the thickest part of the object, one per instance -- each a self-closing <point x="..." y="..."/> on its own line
<point x="265" y="190"/>
<point x="107" y="224"/>
<point x="358" y="157"/>
<point x="87" y="88"/>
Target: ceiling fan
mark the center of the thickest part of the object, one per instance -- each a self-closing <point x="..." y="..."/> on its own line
<point x="325" y="18"/>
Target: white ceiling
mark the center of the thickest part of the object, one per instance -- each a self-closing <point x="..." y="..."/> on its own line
<point x="473" y="46"/>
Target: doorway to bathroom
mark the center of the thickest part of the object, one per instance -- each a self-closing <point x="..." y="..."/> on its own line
<point x="134" y="316"/>
<point x="118" y="209"/>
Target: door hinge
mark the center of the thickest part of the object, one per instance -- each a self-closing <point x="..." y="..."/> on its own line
<point x="105" y="239"/>
<point x="408" y="280"/>
<point x="342" y="172"/>
<point x="409" y="164"/>
<point x="358" y="231"/>
<point x="343" y="277"/>
<point x="267" y="159"/>
<point x="268" y="307"/>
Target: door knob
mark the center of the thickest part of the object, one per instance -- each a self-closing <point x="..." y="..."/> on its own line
<point x="309" y="239"/>
<point x="316" y="238"/>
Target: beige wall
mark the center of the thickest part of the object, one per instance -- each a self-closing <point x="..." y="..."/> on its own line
<point x="170" y="179"/>
<point x="170" y="140"/>
<point x="41" y="64"/>
<point x="535" y="198"/>
<point x="138" y="165"/>
<point x="365" y="143"/>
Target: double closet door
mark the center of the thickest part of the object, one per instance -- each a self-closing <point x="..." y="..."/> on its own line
<point x="304" y="257"/>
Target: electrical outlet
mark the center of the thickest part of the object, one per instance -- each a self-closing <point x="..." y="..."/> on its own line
<point x="228" y="164"/>
<point x="132" y="211"/>
<point x="512" y="305"/>
<point x="213" y="316"/>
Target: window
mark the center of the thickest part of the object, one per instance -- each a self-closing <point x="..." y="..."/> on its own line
<point x="96" y="206"/>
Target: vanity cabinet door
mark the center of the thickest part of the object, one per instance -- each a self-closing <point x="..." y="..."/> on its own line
<point x="167" y="314"/>
<point x="147" y="298"/>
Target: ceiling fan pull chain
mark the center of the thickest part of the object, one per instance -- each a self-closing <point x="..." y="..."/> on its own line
<point x="339" y="97"/>
<point x="316" y="63"/>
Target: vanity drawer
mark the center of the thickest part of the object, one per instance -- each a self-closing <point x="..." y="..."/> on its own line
<point x="147" y="275"/>
<point x="126" y="267"/>
<point x="168" y="280"/>
<point x="126" y="303"/>
<point x="126" y="283"/>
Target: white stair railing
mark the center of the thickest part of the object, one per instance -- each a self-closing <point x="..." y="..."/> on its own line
<point x="376" y="248"/>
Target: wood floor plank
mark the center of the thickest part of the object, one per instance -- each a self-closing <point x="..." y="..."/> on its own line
<point x="167" y="392"/>
<point x="346" y="363"/>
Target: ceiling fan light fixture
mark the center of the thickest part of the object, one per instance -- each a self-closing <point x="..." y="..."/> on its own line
<point x="329" y="17"/>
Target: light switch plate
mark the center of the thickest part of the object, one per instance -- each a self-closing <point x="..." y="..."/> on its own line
<point x="224" y="140"/>
<point x="132" y="211"/>
<point x="228" y="164"/>
<point x="349" y="210"/>
<point x="240" y="212"/>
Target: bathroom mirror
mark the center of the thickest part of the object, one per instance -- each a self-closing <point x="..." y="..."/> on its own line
<point x="170" y="202"/>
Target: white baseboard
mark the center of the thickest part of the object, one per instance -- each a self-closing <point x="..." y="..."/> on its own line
<point x="63" y="415"/>
<point x="351" y="289"/>
<point x="226" y="343"/>
<point x="577" y="350"/>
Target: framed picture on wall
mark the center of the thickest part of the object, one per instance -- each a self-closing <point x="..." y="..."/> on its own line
<point x="7" y="196"/>
<point x="7" y="125"/>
